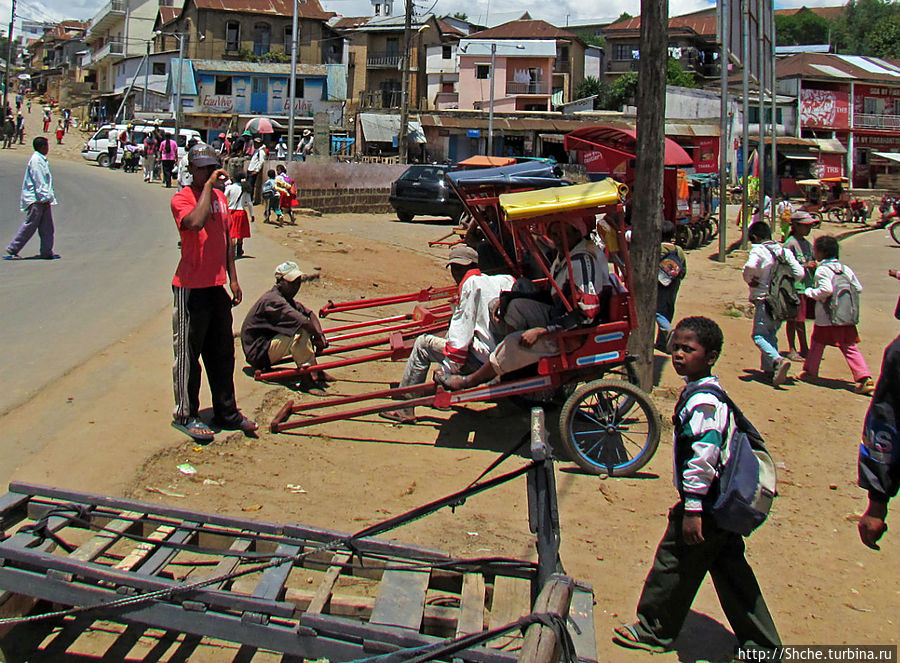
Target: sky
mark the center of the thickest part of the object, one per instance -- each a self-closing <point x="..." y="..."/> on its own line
<point x="487" y="12"/>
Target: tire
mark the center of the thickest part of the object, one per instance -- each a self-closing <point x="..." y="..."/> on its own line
<point x="631" y="428"/>
<point x="683" y="235"/>
<point x="696" y="236"/>
<point x="713" y="227"/>
<point x="895" y="231"/>
<point x="405" y="217"/>
<point x="838" y="215"/>
<point x="103" y="161"/>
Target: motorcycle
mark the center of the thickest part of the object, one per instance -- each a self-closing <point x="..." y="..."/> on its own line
<point x="890" y="216"/>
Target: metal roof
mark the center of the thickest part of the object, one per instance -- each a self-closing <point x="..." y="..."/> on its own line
<point x="305" y="9"/>
<point x="261" y="68"/>
<point x="508" y="48"/>
<point x="828" y="66"/>
<point x="378" y="128"/>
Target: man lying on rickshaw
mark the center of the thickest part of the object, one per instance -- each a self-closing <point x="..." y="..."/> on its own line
<point x="532" y="317"/>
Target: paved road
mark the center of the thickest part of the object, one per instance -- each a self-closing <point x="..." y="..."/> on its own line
<point x="871" y="254"/>
<point x="119" y="250"/>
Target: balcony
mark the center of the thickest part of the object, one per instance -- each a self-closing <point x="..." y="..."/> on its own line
<point x="111" y="14"/>
<point x="112" y="48"/>
<point x="527" y="88"/>
<point x="380" y="99"/>
<point x="446" y="100"/>
<point x="384" y="59"/>
<point x="883" y="122"/>
<point x="561" y="66"/>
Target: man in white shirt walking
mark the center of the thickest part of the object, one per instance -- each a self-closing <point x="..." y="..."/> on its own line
<point x="37" y="197"/>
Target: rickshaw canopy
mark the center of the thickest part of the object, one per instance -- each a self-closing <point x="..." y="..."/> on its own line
<point x="482" y="161"/>
<point x="618" y="145"/>
<point x="541" y="202"/>
<point x="527" y="174"/>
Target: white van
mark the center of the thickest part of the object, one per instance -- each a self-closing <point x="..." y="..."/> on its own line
<point x="96" y="149"/>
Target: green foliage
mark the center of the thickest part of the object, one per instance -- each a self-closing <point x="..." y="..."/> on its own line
<point x="462" y="16"/>
<point x="622" y="90"/>
<point x="676" y="75"/>
<point x="588" y="37"/>
<point x="883" y="40"/>
<point x="590" y="86"/>
<point x="623" y="16"/>
<point x="804" y="27"/>
<point x="246" y="55"/>
<point x="857" y="31"/>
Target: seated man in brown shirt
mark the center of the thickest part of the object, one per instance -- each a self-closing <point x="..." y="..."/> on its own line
<point x="277" y="327"/>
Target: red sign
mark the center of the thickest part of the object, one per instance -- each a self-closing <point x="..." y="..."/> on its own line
<point x="706" y="156"/>
<point x="875" y="99"/>
<point x="830" y="165"/>
<point x="824" y="108"/>
<point x="594" y="162"/>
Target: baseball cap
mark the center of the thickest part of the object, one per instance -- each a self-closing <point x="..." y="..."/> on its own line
<point x="463" y="255"/>
<point x="802" y="216"/>
<point x="287" y="271"/>
<point x="201" y="155"/>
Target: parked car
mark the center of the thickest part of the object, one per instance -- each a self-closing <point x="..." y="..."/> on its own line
<point x="96" y="147"/>
<point x="422" y="191"/>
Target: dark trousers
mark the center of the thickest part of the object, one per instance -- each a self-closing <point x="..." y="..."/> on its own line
<point x="201" y="326"/>
<point x="112" y="151"/>
<point x="167" y="167"/>
<point x="251" y="186"/>
<point x="677" y="572"/>
<point x="38" y="218"/>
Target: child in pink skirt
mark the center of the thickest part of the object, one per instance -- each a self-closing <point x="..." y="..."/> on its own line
<point x="845" y="337"/>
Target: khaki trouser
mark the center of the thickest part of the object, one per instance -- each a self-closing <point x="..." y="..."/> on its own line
<point x="522" y="314"/>
<point x="299" y="347"/>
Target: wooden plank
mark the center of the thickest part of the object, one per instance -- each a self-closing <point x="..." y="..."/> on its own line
<point x="326" y="585"/>
<point x="14" y="605"/>
<point x="401" y="599"/>
<point x="541" y="644"/>
<point x="143" y="549"/>
<point x="581" y="614"/>
<point x="511" y="600"/>
<point x="228" y="564"/>
<point x="160" y="558"/>
<point x="272" y="581"/>
<point x="105" y="538"/>
<point x="471" y="605"/>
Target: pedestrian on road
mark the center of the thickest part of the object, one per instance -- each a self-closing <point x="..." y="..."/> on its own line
<point x="256" y="164"/>
<point x="46" y="119"/>
<point x="240" y="223"/>
<point x="60" y="131"/>
<point x="281" y="150"/>
<point x="18" y="101"/>
<point x="28" y="105"/>
<point x="184" y="173"/>
<point x="672" y="270"/>
<point x="168" y="153"/>
<point x="9" y="132"/>
<point x="37" y="197"/>
<point x="112" y="146"/>
<point x="202" y="314"/>
<point x="757" y="274"/>
<point x="20" y="129"/>
<point x="67" y="119"/>
<point x="148" y="159"/>
<point x="801" y="224"/>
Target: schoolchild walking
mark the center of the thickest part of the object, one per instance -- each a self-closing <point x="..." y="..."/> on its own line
<point x="836" y="293"/>
<point x="758" y="275"/>
<point x="694" y="544"/>
<point x="672" y="270"/>
<point x="287" y="192"/>
<point x="801" y="225"/>
<point x="240" y="224"/>
<point x="271" y="198"/>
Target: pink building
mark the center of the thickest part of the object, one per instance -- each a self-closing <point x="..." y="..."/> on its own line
<point x="523" y="71"/>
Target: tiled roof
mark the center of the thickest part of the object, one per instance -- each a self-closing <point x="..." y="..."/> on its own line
<point x="839" y="68"/>
<point x="702" y="22"/>
<point x="308" y="9"/>
<point x="830" y="13"/>
<point x="525" y="29"/>
<point x="349" y="22"/>
<point x="449" y="30"/>
<point x="168" y="14"/>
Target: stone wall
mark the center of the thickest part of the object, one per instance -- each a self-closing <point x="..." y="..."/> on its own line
<point x="337" y="201"/>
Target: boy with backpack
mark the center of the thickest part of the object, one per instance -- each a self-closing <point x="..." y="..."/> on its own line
<point x="771" y="272"/>
<point x="837" y="313"/>
<point x="672" y="270"/>
<point x="699" y="539"/>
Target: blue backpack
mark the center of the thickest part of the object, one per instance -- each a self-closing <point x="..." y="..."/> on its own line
<point x="747" y="478"/>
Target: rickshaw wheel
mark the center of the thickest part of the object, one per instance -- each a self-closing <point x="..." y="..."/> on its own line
<point x="683" y="235"/>
<point x="696" y="237"/>
<point x="838" y="215"/>
<point x="713" y="226"/>
<point x="609" y="427"/>
<point x="895" y="231"/>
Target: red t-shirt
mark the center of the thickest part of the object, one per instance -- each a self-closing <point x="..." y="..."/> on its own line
<point x="203" y="252"/>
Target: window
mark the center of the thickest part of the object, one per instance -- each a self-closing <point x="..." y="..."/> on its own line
<point x="159" y="68"/>
<point x="896" y="106"/>
<point x="288" y="38"/>
<point x="232" y="36"/>
<point x="260" y="85"/>
<point x="446" y="52"/>
<point x="262" y="38"/>
<point x="563" y="53"/>
<point x="393" y="47"/>
<point x="870" y="105"/>
<point x="482" y="71"/>
<point x="622" y="51"/>
<point x="223" y="84"/>
<point x="299" y="90"/>
<point x="447" y="88"/>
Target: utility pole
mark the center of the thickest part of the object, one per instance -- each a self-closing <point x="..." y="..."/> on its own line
<point x="146" y="80"/>
<point x="745" y="110"/>
<point x="293" y="85"/>
<point x="9" y="52"/>
<point x="761" y="87"/>
<point x="646" y="217"/>
<point x="490" y="145"/>
<point x="724" y="124"/>
<point x="403" y="136"/>
<point x="180" y="77"/>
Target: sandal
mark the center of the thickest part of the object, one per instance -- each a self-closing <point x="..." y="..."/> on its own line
<point x="450" y="382"/>
<point x="195" y="429"/>
<point x="865" y="387"/>
<point x="245" y="425"/>
<point x="626" y="636"/>
<point x="398" y="416"/>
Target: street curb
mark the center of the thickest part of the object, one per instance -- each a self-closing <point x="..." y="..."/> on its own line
<point x="856" y="231"/>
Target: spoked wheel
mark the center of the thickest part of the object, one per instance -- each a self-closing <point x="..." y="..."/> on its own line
<point x="713" y="226"/>
<point x="838" y="215"/>
<point x="683" y="235"/>
<point x="609" y="427"/>
<point x="895" y="231"/>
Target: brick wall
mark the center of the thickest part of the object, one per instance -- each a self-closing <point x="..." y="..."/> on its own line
<point x="337" y="201"/>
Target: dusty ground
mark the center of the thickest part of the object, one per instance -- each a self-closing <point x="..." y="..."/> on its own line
<point x="821" y="584"/>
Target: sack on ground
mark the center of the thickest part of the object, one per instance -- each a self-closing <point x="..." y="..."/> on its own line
<point x="843" y="305"/>
<point x="782" y="300"/>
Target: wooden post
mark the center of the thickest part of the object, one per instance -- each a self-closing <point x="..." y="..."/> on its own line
<point x="541" y="644"/>
<point x="647" y="197"/>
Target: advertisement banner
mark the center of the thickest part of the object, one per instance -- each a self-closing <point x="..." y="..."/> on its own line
<point x="706" y="156"/>
<point x="830" y="165"/>
<point x="824" y="108"/>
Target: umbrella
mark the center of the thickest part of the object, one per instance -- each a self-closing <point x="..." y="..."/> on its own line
<point x="24" y="77"/>
<point x="260" y="125"/>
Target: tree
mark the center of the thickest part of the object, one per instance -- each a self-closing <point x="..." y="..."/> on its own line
<point x="883" y="40"/>
<point x="676" y="75"/>
<point x="589" y="87"/>
<point x="622" y="90"/>
<point x="803" y="27"/>
<point x="624" y="16"/>
<point x="851" y="34"/>
<point x="588" y="37"/>
<point x="462" y="16"/>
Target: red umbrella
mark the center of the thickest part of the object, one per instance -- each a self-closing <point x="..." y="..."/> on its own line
<point x="260" y="125"/>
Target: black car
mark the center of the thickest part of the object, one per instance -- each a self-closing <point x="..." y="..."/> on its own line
<point x="422" y="191"/>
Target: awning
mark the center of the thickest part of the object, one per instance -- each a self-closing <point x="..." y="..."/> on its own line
<point x="830" y="146"/>
<point x="617" y="145"/>
<point x="379" y="128"/>
<point x="890" y="156"/>
<point x="797" y="156"/>
<point x="552" y="138"/>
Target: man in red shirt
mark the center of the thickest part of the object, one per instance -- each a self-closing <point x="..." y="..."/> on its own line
<point x="202" y="318"/>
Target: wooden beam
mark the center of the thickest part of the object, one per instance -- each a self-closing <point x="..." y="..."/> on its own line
<point x="541" y="644"/>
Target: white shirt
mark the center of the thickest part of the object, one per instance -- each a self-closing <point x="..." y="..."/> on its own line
<point x="759" y="266"/>
<point x="280" y="151"/>
<point x="37" y="186"/>
<point x="184" y="175"/>
<point x="233" y="194"/>
<point x="825" y="287"/>
<point x="470" y="325"/>
<point x="256" y="161"/>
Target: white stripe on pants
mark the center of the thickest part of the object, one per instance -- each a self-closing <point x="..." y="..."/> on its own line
<point x="181" y="367"/>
